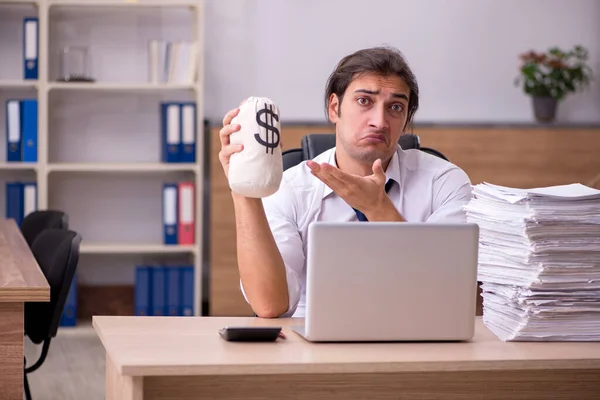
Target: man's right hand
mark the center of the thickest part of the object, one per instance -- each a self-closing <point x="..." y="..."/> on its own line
<point x="227" y="149"/>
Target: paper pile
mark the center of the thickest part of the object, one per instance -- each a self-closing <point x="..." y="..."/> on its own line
<point x="539" y="261"/>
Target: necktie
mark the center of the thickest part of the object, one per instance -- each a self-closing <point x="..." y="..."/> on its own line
<point x="360" y="215"/>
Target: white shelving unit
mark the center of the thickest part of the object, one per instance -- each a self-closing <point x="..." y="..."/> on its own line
<point x="77" y="170"/>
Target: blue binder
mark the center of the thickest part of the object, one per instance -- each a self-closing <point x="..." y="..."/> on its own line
<point x="188" y="132"/>
<point x="29" y="129"/>
<point x="13" y="131"/>
<point x="142" y="289"/>
<point x="69" y="315"/>
<point x="159" y="300"/>
<point x="170" y="131"/>
<point x="30" y="48"/>
<point x="170" y="209"/>
<point x="15" y="201"/>
<point x="187" y="290"/>
<point x="172" y="277"/>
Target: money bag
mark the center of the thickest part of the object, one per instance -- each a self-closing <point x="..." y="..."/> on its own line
<point x="256" y="171"/>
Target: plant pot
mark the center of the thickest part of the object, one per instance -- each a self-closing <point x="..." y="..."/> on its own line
<point x="544" y="108"/>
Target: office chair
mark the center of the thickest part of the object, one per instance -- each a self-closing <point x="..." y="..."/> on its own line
<point x="34" y="223"/>
<point x="57" y="253"/>
<point x="316" y="143"/>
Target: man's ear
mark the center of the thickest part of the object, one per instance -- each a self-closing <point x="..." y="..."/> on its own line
<point x="333" y="108"/>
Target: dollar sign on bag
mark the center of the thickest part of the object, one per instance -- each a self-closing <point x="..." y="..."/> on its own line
<point x="272" y="141"/>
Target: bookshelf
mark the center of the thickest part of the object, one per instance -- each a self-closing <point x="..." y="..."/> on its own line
<point x="99" y="143"/>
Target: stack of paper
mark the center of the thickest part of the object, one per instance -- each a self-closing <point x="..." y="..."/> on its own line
<point x="539" y="261"/>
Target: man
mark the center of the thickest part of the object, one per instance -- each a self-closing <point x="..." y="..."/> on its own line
<point x="371" y="97"/>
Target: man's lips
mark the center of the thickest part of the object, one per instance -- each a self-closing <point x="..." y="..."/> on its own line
<point x="375" y="138"/>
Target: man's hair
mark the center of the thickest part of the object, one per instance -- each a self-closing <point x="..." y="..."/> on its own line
<point x="384" y="61"/>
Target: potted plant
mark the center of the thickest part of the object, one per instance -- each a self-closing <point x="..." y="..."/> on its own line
<point x="548" y="77"/>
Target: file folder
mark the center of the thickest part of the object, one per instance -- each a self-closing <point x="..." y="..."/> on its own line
<point x="188" y="132"/>
<point x="187" y="290"/>
<point x="29" y="198"/>
<point x="171" y="132"/>
<point x="29" y="129"/>
<point x="14" y="202"/>
<point x="186" y="213"/>
<point x="159" y="300"/>
<point x="170" y="213"/>
<point x="173" y="292"/>
<point x="30" y="48"/>
<point x="143" y="295"/>
<point x="13" y="131"/>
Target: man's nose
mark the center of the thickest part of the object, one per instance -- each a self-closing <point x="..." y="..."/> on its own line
<point x="377" y="118"/>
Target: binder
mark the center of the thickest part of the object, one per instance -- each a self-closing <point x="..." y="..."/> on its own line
<point x="14" y="201"/>
<point x="173" y="293"/>
<point x="186" y="213"/>
<point x="29" y="198"/>
<point x="13" y="131"/>
<point x="30" y="48"/>
<point x="29" y="130"/>
<point x="159" y="300"/>
<point x="171" y="132"/>
<point x="69" y="315"/>
<point x="187" y="290"/>
<point x="170" y="213"/>
<point x="142" y="290"/>
<point x="188" y="132"/>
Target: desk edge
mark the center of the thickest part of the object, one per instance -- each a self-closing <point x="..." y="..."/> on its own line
<point x="358" y="368"/>
<point x="24" y="294"/>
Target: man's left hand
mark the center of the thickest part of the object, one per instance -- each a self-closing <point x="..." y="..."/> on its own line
<point x="364" y="193"/>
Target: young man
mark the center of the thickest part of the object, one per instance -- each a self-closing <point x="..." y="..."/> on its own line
<point x="371" y="97"/>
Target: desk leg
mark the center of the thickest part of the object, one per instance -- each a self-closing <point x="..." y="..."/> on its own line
<point x="11" y="351"/>
<point x="122" y="387"/>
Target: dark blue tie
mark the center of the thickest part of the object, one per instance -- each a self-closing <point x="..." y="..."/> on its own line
<point x="360" y="215"/>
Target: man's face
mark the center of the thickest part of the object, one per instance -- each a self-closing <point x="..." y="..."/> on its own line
<point x="372" y="116"/>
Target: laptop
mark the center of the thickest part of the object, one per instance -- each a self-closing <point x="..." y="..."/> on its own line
<point x="383" y="281"/>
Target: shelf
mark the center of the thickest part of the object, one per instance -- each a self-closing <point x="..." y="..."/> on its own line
<point x="124" y="3"/>
<point x="79" y="171"/>
<point x="116" y="248"/>
<point x="14" y="166"/>
<point x="17" y="83"/>
<point x="128" y="87"/>
<point x="121" y="167"/>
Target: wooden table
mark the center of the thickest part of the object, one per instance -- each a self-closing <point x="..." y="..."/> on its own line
<point x="185" y="358"/>
<point x="21" y="280"/>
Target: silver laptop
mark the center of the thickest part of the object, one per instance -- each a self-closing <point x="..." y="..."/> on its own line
<point x="379" y="281"/>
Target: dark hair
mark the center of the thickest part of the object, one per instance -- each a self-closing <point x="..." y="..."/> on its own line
<point x="383" y="61"/>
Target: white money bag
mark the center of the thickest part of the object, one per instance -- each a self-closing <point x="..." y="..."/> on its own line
<point x="256" y="171"/>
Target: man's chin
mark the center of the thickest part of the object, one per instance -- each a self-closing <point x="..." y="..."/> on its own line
<point x="370" y="155"/>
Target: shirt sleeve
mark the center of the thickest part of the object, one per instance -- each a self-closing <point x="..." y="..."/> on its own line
<point x="280" y="209"/>
<point x="452" y="190"/>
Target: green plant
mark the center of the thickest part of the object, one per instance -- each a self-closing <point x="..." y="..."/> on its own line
<point x="555" y="73"/>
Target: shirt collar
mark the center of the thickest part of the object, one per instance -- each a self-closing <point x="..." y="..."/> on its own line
<point x="392" y="172"/>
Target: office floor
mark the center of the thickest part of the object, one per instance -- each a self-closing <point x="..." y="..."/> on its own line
<point x="74" y="368"/>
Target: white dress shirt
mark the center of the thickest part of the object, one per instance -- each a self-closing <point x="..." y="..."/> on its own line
<point x="426" y="189"/>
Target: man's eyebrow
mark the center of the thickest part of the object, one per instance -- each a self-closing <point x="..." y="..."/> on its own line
<point x="376" y="92"/>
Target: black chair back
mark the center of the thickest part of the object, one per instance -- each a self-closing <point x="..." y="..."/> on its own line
<point x="36" y="222"/>
<point x="316" y="143"/>
<point x="57" y="254"/>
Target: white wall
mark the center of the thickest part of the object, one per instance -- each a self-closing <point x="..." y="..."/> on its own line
<point x="464" y="52"/>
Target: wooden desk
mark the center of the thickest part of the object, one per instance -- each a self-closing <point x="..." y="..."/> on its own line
<point x="21" y="280"/>
<point x="184" y="358"/>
